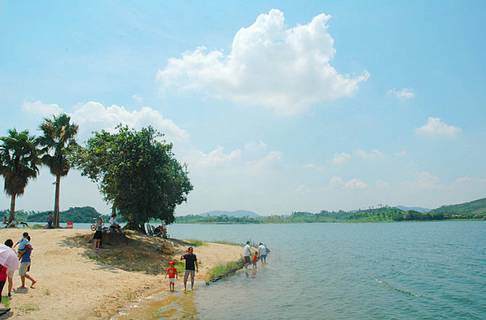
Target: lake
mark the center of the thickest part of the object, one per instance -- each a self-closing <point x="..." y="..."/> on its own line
<point x="413" y="270"/>
<point x="407" y="270"/>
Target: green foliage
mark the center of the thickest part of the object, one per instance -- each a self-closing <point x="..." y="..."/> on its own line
<point x="469" y="210"/>
<point x="137" y="173"/>
<point x="58" y="141"/>
<point x="224" y="270"/>
<point x="76" y="215"/>
<point x="19" y="160"/>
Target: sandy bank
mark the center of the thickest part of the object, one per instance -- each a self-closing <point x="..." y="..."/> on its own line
<point x="73" y="285"/>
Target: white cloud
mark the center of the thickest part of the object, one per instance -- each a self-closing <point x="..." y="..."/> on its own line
<point x="402" y="94"/>
<point x="370" y="155"/>
<point x="437" y="128"/>
<point x="336" y="181"/>
<point x="40" y="108"/>
<point x="355" y="184"/>
<point x="426" y="180"/>
<point x="351" y="184"/>
<point x="285" y="69"/>
<point x="216" y="157"/>
<point x="92" y="116"/>
<point x="341" y="158"/>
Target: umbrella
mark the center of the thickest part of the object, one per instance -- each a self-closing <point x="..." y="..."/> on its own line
<point x="8" y="257"/>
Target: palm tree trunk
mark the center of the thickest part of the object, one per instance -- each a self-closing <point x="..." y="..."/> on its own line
<point x="12" y="208"/>
<point x="56" y="203"/>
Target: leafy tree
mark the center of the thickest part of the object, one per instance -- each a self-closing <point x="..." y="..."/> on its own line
<point x="136" y="171"/>
<point x="57" y="141"/>
<point x="18" y="163"/>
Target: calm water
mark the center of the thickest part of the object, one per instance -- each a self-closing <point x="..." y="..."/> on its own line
<point x="434" y="270"/>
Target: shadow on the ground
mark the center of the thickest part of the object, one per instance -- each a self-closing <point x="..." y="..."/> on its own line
<point x="136" y="252"/>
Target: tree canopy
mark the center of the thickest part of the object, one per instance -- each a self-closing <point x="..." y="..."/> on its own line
<point x="19" y="162"/>
<point x="57" y="141"/>
<point x="137" y="172"/>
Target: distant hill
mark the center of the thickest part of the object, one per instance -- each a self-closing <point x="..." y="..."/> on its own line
<point x="418" y="209"/>
<point x="233" y="214"/>
<point x="75" y="214"/>
<point x="471" y="209"/>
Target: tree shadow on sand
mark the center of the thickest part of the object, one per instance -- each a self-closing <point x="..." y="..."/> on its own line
<point x="139" y="253"/>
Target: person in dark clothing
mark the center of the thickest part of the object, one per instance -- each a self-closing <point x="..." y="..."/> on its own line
<point x="191" y="267"/>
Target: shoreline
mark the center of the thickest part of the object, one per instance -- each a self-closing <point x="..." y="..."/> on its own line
<point x="77" y="283"/>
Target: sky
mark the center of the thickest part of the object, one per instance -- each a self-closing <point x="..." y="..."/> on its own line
<point x="275" y="106"/>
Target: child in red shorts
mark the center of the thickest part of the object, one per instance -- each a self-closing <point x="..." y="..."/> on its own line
<point x="254" y="259"/>
<point x="171" y="272"/>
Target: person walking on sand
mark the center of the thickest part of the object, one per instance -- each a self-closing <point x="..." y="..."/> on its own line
<point x="262" y="251"/>
<point x="172" y="273"/>
<point x="247" y="254"/>
<point x="191" y="267"/>
<point x="25" y="262"/>
<point x="10" y="272"/>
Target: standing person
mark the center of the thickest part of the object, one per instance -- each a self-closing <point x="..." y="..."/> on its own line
<point x="25" y="262"/>
<point x="172" y="273"/>
<point x="191" y="267"/>
<point x="247" y="254"/>
<point x="254" y="260"/>
<point x="262" y="251"/>
<point x="49" y="221"/>
<point x="10" y="272"/>
<point x="98" y="233"/>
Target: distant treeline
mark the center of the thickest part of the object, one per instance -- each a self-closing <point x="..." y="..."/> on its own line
<point x="76" y="214"/>
<point x="471" y="210"/>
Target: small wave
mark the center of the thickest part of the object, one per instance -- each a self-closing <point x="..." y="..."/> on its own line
<point x="397" y="289"/>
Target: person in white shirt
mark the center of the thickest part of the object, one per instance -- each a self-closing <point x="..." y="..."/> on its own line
<point x="262" y="252"/>
<point x="247" y="254"/>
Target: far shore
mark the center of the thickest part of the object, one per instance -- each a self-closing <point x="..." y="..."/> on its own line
<point x="75" y="282"/>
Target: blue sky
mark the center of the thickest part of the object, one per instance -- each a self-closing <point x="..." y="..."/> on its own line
<point x="304" y="105"/>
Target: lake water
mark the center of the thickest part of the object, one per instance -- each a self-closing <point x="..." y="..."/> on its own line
<point x="408" y="270"/>
<point x="431" y="270"/>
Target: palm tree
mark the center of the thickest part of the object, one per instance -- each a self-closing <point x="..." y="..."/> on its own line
<point x="57" y="142"/>
<point x="18" y="163"/>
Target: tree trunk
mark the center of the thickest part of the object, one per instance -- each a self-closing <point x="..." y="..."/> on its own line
<point x="11" y="218"/>
<point x="56" y="202"/>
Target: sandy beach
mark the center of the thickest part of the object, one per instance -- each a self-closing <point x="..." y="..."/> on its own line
<point x="74" y="285"/>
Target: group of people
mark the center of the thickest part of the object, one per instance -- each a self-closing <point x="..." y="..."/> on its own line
<point x="24" y="251"/>
<point x="98" y="226"/>
<point x="191" y="267"/>
<point x="260" y="253"/>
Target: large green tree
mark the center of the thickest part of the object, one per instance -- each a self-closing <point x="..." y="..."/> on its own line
<point x="137" y="172"/>
<point x="57" y="141"/>
<point x="19" y="160"/>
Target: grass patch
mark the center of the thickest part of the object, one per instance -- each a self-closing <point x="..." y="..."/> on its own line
<point x="230" y="243"/>
<point x="37" y="226"/>
<point x="194" y="243"/>
<point x="224" y="270"/>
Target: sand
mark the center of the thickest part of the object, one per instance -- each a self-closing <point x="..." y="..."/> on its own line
<point x="71" y="285"/>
